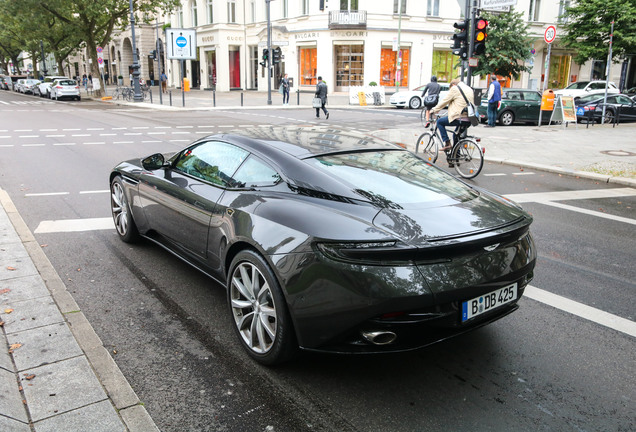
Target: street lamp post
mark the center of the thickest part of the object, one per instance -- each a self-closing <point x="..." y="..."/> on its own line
<point x="43" y="59"/>
<point x="138" y="97"/>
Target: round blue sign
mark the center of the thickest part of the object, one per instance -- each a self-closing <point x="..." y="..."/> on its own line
<point x="181" y="41"/>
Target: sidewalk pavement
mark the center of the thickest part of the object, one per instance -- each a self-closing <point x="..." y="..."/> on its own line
<point x="55" y="374"/>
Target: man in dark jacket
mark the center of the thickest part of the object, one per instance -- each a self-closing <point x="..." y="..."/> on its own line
<point x="321" y="92"/>
<point x="432" y="89"/>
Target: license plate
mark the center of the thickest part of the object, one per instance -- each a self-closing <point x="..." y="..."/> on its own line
<point x="487" y="302"/>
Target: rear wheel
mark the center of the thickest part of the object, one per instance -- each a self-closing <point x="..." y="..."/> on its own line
<point x="467" y="158"/>
<point x="609" y="116"/>
<point x="507" y="118"/>
<point x="122" y="216"/>
<point x="415" y="103"/>
<point x="259" y="311"/>
<point x="429" y="143"/>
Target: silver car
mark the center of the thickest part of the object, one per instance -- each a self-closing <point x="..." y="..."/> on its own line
<point x="65" y="88"/>
<point x="28" y="86"/>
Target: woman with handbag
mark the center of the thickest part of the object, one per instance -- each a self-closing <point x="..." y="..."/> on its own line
<point x="431" y="97"/>
<point x="321" y="93"/>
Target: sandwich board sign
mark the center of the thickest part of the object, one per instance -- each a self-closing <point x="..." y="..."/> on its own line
<point x="181" y="44"/>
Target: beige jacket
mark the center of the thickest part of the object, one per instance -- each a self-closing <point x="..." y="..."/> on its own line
<point x="455" y="101"/>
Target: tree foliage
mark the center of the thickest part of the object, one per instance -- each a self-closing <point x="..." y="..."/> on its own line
<point x="507" y="45"/>
<point x="588" y="27"/>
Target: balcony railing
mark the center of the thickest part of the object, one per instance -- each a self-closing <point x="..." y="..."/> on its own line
<point x="345" y="19"/>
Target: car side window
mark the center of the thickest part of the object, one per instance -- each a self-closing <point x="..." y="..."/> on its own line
<point x="514" y="96"/>
<point x="532" y="96"/>
<point x="255" y="172"/>
<point x="211" y="161"/>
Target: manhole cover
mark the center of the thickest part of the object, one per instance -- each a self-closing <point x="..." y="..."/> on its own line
<point x="618" y="153"/>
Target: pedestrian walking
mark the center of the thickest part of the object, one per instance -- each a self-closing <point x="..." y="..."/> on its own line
<point x="84" y="81"/>
<point x="284" y="86"/>
<point x="431" y="97"/>
<point x="494" y="97"/>
<point x="321" y="92"/>
<point x="164" y="81"/>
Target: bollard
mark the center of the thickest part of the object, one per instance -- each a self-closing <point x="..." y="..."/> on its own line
<point x="241" y="98"/>
<point x="170" y="94"/>
<point x="150" y="95"/>
<point x="298" y="97"/>
<point x="214" y="98"/>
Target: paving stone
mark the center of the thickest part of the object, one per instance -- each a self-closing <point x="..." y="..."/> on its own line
<point x="16" y="267"/>
<point x="7" y="424"/>
<point x="61" y="387"/>
<point x="28" y="314"/>
<point x="43" y="345"/>
<point x="10" y="398"/>
<point x="24" y="288"/>
<point x="99" y="417"/>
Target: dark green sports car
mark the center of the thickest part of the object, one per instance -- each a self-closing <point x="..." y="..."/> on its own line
<point x="517" y="105"/>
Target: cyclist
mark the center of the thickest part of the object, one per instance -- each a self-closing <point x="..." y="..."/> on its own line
<point x="456" y="104"/>
<point x="431" y="97"/>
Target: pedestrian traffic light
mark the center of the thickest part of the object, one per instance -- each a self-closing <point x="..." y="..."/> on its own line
<point x="460" y="39"/>
<point x="265" y="57"/>
<point x="277" y="55"/>
<point x="479" y="36"/>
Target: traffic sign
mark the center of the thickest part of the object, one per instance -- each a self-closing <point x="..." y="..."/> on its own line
<point x="550" y="34"/>
<point x="181" y="44"/>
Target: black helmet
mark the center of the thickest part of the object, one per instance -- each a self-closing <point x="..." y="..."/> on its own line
<point x="434" y="78"/>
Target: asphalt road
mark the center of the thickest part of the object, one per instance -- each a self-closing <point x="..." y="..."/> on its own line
<point x="168" y="327"/>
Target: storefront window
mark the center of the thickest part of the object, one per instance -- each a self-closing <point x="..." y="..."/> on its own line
<point x="445" y="66"/>
<point x="387" y="67"/>
<point x="349" y="66"/>
<point x="308" y="66"/>
<point x="235" y="67"/>
<point x="559" y="71"/>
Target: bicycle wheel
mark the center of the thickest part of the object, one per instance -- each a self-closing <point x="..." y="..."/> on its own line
<point x="116" y="94"/>
<point x="430" y="144"/>
<point x="467" y="158"/>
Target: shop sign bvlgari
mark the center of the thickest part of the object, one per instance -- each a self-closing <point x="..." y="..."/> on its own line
<point x="350" y="33"/>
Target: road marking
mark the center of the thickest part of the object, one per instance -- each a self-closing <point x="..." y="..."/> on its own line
<point x="6" y="145"/>
<point x="495" y="175"/>
<point x="181" y="133"/>
<point x="74" y="225"/>
<point x="141" y="127"/>
<point x="94" y="129"/>
<point x="95" y="192"/>
<point x="132" y="133"/>
<point x="55" y="136"/>
<point x="122" y="142"/>
<point x="6" y="103"/>
<point x="70" y="130"/>
<point x="572" y="195"/>
<point x="48" y="130"/>
<point x="184" y="127"/>
<point x="95" y="143"/>
<point x="589" y="313"/>
<point x="81" y="135"/>
<point x="33" y="145"/>
<point x="151" y="142"/>
<point x="45" y="194"/>
<point x="590" y="212"/>
<point x="107" y="134"/>
<point x="28" y="136"/>
<point x="23" y="130"/>
<point x="64" y="144"/>
<point x="522" y="173"/>
<point x="156" y="133"/>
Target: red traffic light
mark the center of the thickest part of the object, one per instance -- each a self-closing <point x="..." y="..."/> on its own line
<point x="481" y="24"/>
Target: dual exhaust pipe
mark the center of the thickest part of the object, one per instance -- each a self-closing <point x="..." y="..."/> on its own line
<point x="379" y="337"/>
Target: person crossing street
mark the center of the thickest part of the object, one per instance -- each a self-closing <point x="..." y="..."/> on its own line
<point x="321" y="92"/>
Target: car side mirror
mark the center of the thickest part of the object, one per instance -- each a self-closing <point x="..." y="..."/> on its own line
<point x="154" y="162"/>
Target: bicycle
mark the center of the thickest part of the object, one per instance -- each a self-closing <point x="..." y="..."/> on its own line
<point x="465" y="155"/>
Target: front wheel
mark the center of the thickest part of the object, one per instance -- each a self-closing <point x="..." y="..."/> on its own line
<point x="122" y="216"/>
<point x="467" y="158"/>
<point x="430" y="144"/>
<point x="415" y="103"/>
<point x="507" y="118"/>
<point x="259" y="311"/>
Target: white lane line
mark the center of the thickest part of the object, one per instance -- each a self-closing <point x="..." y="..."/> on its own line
<point x="181" y="133"/>
<point x="207" y="126"/>
<point x="163" y="127"/>
<point x="23" y="130"/>
<point x="6" y="103"/>
<point x="55" y="136"/>
<point x="74" y="225"/>
<point x="132" y="133"/>
<point x="495" y="175"/>
<point x="70" y="130"/>
<point x="7" y="145"/>
<point x="572" y="195"/>
<point x="587" y="312"/>
<point x="5" y="136"/>
<point x="107" y="134"/>
<point x="94" y="192"/>
<point x="94" y="129"/>
<point x="48" y="130"/>
<point x="64" y="144"/>
<point x="179" y="140"/>
<point x="33" y="145"/>
<point x="121" y="128"/>
<point x="522" y="173"/>
<point x="145" y="142"/>
<point x="28" y="136"/>
<point x="94" y="143"/>
<point x="141" y="127"/>
<point x="156" y="133"/>
<point x="185" y="127"/>
<point x="589" y="212"/>
<point x="122" y="142"/>
<point x="45" y="194"/>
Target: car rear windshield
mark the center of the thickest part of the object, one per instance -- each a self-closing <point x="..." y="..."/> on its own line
<point x="68" y="82"/>
<point x="392" y="177"/>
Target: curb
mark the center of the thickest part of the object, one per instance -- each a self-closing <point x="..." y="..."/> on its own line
<point x="119" y="391"/>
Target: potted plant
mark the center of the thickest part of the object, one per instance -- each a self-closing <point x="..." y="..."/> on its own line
<point x="120" y="80"/>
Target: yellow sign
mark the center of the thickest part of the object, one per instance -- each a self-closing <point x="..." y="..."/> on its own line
<point x="362" y="97"/>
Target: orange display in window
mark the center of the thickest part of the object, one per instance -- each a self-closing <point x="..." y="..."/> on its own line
<point x="308" y="61"/>
<point x="388" y="67"/>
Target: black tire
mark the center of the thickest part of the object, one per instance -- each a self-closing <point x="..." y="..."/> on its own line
<point x="467" y="158"/>
<point x="415" y="103"/>
<point x="254" y="292"/>
<point x="506" y="118"/>
<point x="429" y="145"/>
<point x="609" y="116"/>
<point x="122" y="216"/>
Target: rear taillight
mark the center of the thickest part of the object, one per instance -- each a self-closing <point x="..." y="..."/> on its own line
<point x="76" y="87"/>
<point x="59" y="87"/>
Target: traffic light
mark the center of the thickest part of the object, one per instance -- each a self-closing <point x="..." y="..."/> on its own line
<point x="479" y="36"/>
<point x="153" y="54"/>
<point x="460" y="39"/>
<point x="265" y="57"/>
<point x="277" y="55"/>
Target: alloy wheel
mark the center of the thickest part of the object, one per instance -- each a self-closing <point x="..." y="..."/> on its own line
<point x="119" y="207"/>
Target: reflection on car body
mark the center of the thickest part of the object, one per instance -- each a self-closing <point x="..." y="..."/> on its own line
<point x="330" y="240"/>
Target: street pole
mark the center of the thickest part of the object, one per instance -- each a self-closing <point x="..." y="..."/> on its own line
<point x="546" y="72"/>
<point x="43" y="58"/>
<point x="158" y="51"/>
<point x="269" y="54"/>
<point x="138" y="97"/>
<point x="471" y="40"/>
<point x="398" y="57"/>
<point x="609" y="68"/>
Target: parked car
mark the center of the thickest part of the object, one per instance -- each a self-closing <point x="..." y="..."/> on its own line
<point x="591" y="108"/>
<point x="413" y="98"/>
<point x="581" y="88"/>
<point x="17" y="85"/>
<point x="28" y="85"/>
<point x="5" y="82"/>
<point x="329" y="240"/>
<point x="44" y="88"/>
<point x="517" y="105"/>
<point x="14" y="80"/>
<point x="631" y="92"/>
<point x="65" y="88"/>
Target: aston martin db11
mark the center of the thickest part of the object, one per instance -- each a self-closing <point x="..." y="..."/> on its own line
<point x="329" y="240"/>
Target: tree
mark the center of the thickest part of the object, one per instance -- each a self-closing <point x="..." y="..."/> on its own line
<point x="588" y="25"/>
<point x="507" y="45"/>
